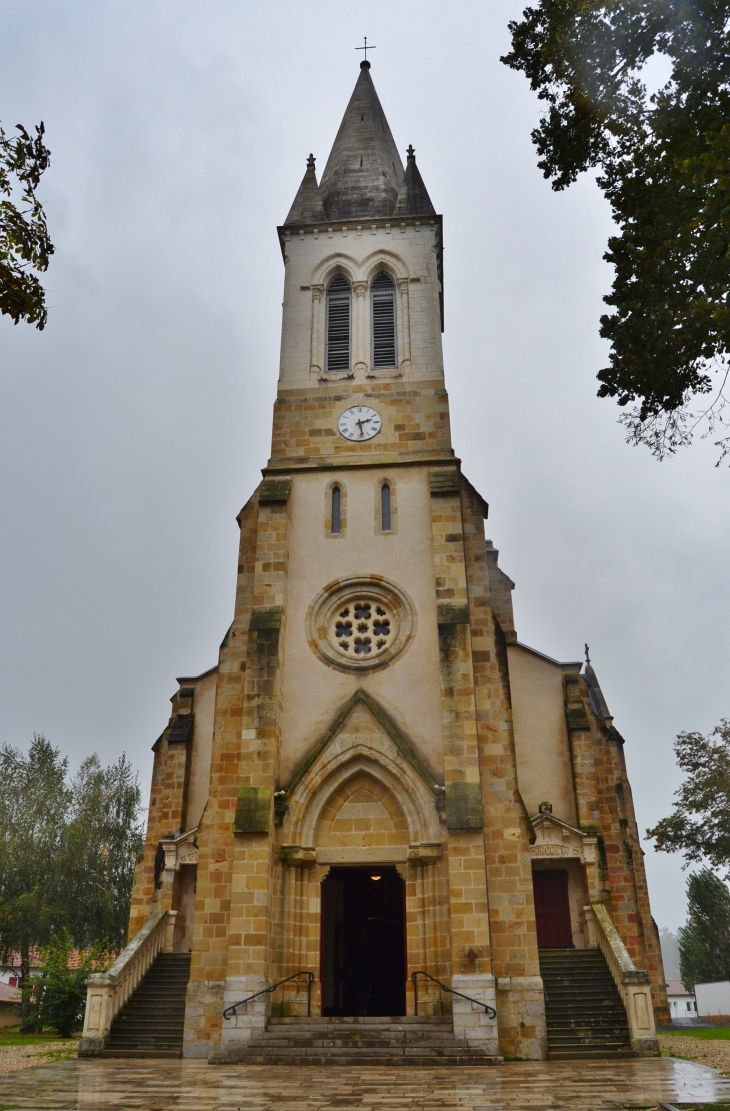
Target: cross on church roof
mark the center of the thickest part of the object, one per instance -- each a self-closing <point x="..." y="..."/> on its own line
<point x="366" y="47"/>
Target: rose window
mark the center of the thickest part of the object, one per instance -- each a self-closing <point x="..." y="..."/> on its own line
<point x="360" y="622"/>
<point x="364" y="628"/>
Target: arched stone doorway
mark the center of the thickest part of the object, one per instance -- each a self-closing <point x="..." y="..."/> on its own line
<point x="363" y="806"/>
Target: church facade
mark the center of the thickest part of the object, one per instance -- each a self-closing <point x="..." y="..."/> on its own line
<point x="378" y="779"/>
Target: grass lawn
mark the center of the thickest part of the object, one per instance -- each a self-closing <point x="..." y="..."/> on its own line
<point x="712" y="1034"/>
<point x="28" y="1039"/>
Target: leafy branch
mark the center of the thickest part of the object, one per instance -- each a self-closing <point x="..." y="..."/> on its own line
<point x="664" y="166"/>
<point x="25" y="245"/>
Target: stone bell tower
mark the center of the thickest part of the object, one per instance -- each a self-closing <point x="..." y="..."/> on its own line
<point x="363" y="710"/>
<point x="339" y="797"/>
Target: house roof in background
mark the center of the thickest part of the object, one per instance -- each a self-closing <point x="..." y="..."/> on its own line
<point x="36" y="961"/>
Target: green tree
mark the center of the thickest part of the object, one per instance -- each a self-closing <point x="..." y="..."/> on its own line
<point x="34" y="800"/>
<point x="57" y="997"/>
<point x="699" y="826"/>
<point x="663" y="162"/>
<point x="101" y="843"/>
<point x="704" y="943"/>
<point x="67" y="850"/>
<point x="25" y="245"/>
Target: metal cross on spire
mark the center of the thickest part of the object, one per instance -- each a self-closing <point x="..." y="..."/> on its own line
<point x="366" y="47"/>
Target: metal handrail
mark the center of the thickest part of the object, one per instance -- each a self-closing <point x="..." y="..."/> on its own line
<point x="489" y="1010"/>
<point x="230" y="1011"/>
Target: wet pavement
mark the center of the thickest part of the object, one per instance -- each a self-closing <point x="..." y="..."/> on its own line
<point x="156" y="1085"/>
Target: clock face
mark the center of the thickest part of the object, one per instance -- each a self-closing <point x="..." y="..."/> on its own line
<point x="359" y="423"/>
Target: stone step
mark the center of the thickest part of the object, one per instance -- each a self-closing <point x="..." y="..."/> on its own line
<point x="145" y="1030"/>
<point x="167" y="1053"/>
<point x="152" y="1011"/>
<point x="361" y="1020"/>
<point x="335" y="1052"/>
<point x="152" y="1021"/>
<point x="581" y="1012"/>
<point x="585" y="1014"/>
<point x="341" y="1043"/>
<point x="148" y="1039"/>
<point x="357" y="1060"/>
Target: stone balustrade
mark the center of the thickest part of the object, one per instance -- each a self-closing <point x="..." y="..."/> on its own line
<point x="107" y="992"/>
<point x="634" y="985"/>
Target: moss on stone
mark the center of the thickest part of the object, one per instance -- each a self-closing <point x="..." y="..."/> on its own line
<point x="464" y="806"/>
<point x="253" y="811"/>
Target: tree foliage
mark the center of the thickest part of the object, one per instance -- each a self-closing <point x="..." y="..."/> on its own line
<point x="101" y="842"/>
<point x="56" y="998"/>
<point x="704" y="943"/>
<point x="34" y="800"/>
<point x="699" y="826"/>
<point x="25" y="245"/>
<point x="67" y="850"/>
<point x="663" y="162"/>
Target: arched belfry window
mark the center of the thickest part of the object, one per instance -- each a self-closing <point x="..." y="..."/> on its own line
<point x="339" y="323"/>
<point x="382" y="297"/>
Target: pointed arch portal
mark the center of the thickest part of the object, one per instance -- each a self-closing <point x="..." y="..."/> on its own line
<point x="362" y="805"/>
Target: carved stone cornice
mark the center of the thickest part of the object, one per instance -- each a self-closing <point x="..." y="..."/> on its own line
<point x="555" y="840"/>
<point x="180" y="850"/>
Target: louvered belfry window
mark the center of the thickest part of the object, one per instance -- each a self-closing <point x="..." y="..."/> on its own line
<point x="382" y="297"/>
<point x="339" y="326"/>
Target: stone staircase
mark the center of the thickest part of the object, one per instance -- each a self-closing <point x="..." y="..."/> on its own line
<point x="585" y="1013"/>
<point x="150" y="1024"/>
<point x="428" y="1040"/>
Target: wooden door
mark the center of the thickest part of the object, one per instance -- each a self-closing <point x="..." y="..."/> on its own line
<point x="552" y="910"/>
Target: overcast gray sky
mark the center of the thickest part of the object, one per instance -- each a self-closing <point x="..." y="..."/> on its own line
<point x="133" y="428"/>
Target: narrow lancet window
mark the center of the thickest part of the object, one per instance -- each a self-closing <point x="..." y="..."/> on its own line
<point x="336" y="508"/>
<point x="339" y="324"/>
<point x="385" y="507"/>
<point x="382" y="298"/>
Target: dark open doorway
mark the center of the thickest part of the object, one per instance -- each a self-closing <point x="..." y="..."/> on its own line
<point x="552" y="909"/>
<point x="363" y="959"/>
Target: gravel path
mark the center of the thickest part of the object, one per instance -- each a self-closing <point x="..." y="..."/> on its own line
<point x="715" y="1054"/>
<point x="14" y="1057"/>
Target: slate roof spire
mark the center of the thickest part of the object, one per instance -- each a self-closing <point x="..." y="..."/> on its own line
<point x="307" y="207"/>
<point x="364" y="173"/>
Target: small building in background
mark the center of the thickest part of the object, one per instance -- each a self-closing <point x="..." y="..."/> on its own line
<point x="682" y="1003"/>
<point x="713" y="999"/>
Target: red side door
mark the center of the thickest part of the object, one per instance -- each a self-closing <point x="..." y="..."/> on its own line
<point x="552" y="910"/>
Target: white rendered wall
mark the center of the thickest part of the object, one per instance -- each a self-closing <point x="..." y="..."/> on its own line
<point x="408" y="689"/>
<point x="544" y="769"/>
<point x="713" y="999"/>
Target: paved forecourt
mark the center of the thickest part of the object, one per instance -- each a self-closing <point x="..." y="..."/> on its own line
<point x="156" y="1085"/>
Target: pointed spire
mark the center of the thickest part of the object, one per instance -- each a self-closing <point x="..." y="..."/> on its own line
<point x="307" y="207"/>
<point x="596" y="694"/>
<point x="413" y="199"/>
<point x="364" y="173"/>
